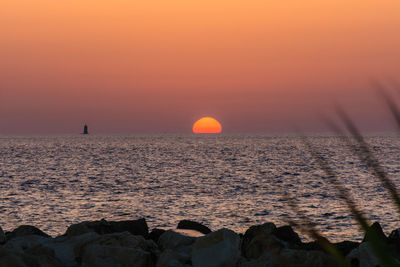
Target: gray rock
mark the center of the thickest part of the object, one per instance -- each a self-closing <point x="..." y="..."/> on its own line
<point x="25" y="230"/>
<point x="265" y="229"/>
<point x="135" y="227"/>
<point x="2" y="236"/>
<point x="345" y="247"/>
<point x="100" y="255"/>
<point x="171" y="258"/>
<point x="291" y="257"/>
<point x="363" y="256"/>
<point x="173" y="240"/>
<point x="260" y="238"/>
<point x="23" y="243"/>
<point x="302" y="258"/>
<point x="67" y="248"/>
<point x="220" y="248"/>
<point x="16" y="259"/>
<point x="261" y="244"/>
<point x="118" y="249"/>
<point x="376" y="227"/>
<point x="191" y="225"/>
<point x="155" y="234"/>
<point x="31" y="250"/>
<point x="286" y="233"/>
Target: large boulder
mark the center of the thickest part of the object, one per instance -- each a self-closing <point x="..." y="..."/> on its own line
<point x="98" y="255"/>
<point x="135" y="227"/>
<point x="259" y="239"/>
<point x="394" y="236"/>
<point x="394" y="241"/>
<point x="291" y="257"/>
<point x="117" y="249"/>
<point x="220" y="248"/>
<point x="16" y="259"/>
<point x="90" y="249"/>
<point x="261" y="244"/>
<point x="345" y="247"/>
<point x="67" y="249"/>
<point x="31" y="250"/>
<point x="19" y="259"/>
<point x="173" y="258"/>
<point x="191" y="225"/>
<point x="173" y="240"/>
<point x="363" y="256"/>
<point x="23" y="243"/>
<point x="155" y="234"/>
<point x="25" y="230"/>
<point x="301" y="258"/>
<point x="286" y="233"/>
<point x="377" y="229"/>
<point x="2" y="236"/>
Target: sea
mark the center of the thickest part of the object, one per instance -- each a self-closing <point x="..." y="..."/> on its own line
<point x="222" y="181"/>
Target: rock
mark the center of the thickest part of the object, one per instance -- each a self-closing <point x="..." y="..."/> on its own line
<point x="261" y="244"/>
<point x="363" y="256"/>
<point x="394" y="236"/>
<point x="23" y="243"/>
<point x="2" y="236"/>
<point x="67" y="248"/>
<point x="15" y="259"/>
<point x="267" y="259"/>
<point x="96" y="255"/>
<point x="78" y="229"/>
<point x="155" y="234"/>
<point x="264" y="229"/>
<point x="25" y="230"/>
<point x="170" y="258"/>
<point x="187" y="224"/>
<point x="220" y="248"/>
<point x="346" y="247"/>
<point x="258" y="239"/>
<point x="32" y="250"/>
<point x="135" y="227"/>
<point x="188" y="232"/>
<point x="313" y="245"/>
<point x="45" y="255"/>
<point x="292" y="257"/>
<point x="117" y="249"/>
<point x="302" y="258"/>
<point x="376" y="227"/>
<point x="286" y="233"/>
<point x="173" y="240"/>
<point x="394" y="240"/>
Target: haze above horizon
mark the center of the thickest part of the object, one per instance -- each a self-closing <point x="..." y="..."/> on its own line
<point x="158" y="66"/>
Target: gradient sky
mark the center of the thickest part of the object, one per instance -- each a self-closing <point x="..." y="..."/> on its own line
<point x="130" y="66"/>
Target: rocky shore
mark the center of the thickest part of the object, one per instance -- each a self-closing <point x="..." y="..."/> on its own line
<point x="130" y="243"/>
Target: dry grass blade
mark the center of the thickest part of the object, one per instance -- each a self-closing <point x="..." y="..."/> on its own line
<point x="389" y="102"/>
<point x="308" y="227"/>
<point x="341" y="190"/>
<point x="367" y="157"/>
<point x="378" y="247"/>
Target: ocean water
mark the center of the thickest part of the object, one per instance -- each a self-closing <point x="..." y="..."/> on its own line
<point x="232" y="181"/>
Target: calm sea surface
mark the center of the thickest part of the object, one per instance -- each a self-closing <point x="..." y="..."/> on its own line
<point x="232" y="181"/>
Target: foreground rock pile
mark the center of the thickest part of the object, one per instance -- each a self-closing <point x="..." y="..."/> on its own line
<point x="129" y="243"/>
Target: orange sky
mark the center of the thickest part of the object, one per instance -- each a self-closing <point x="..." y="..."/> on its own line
<point x="128" y="66"/>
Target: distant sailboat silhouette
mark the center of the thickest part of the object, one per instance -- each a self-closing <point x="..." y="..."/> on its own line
<point x="85" y="129"/>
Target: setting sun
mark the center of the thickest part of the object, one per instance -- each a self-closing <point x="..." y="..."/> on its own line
<point x="207" y="125"/>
